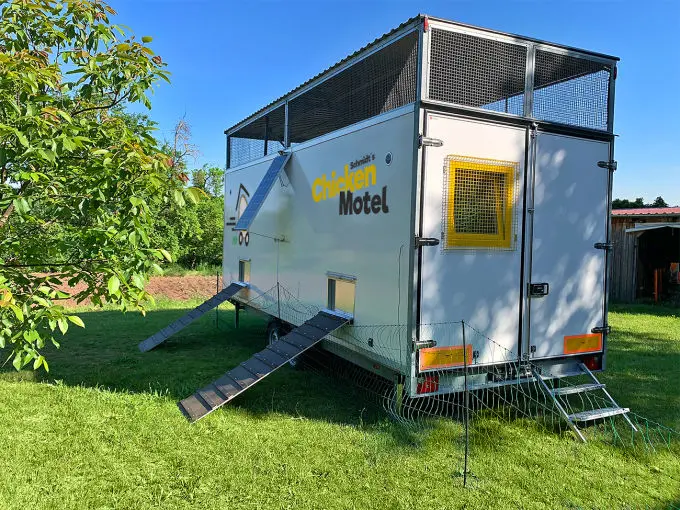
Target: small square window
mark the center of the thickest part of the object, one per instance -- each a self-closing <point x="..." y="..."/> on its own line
<point x="479" y="204"/>
<point x="341" y="294"/>
<point x="244" y="271"/>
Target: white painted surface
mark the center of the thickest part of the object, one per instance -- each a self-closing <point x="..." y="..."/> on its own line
<point x="476" y="285"/>
<point x="570" y="202"/>
<point x="374" y="248"/>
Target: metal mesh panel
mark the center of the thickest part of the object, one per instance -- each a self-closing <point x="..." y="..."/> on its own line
<point x="473" y="71"/>
<point x="376" y="84"/>
<point x="479" y="204"/>
<point x="571" y="90"/>
<point x="248" y="143"/>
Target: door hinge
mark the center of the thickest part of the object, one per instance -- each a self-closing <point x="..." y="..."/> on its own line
<point x="602" y="329"/>
<point x="609" y="165"/>
<point x="429" y="142"/>
<point x="604" y="246"/>
<point x="533" y="130"/>
<point x="426" y="241"/>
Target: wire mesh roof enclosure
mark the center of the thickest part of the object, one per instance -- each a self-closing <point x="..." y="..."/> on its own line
<point x="571" y="90"/>
<point x="263" y="136"/>
<point x="460" y="65"/>
<point x="473" y="71"/>
<point x="381" y="82"/>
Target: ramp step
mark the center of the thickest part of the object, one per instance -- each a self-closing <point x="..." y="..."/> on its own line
<point x="580" y="388"/>
<point x="596" y="414"/>
<point x="284" y="349"/>
<point x="259" y="366"/>
<point x="162" y="335"/>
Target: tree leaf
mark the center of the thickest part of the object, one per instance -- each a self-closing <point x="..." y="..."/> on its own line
<point x="147" y="39"/>
<point x="17" y="312"/>
<point x="76" y="320"/>
<point x="113" y="284"/>
<point x="166" y="254"/>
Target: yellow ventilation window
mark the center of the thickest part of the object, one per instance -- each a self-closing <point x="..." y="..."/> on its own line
<point x="479" y="203"/>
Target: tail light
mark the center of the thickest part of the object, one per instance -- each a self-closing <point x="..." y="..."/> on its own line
<point x="593" y="362"/>
<point x="429" y="384"/>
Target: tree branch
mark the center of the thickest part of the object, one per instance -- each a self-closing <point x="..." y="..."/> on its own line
<point x="102" y="107"/>
<point x="10" y="208"/>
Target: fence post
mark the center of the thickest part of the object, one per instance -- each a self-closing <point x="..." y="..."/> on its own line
<point x="467" y="407"/>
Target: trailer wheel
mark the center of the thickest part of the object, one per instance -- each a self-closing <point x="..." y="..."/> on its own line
<point x="276" y="330"/>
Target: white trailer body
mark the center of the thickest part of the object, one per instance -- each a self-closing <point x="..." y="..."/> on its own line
<point x="443" y="173"/>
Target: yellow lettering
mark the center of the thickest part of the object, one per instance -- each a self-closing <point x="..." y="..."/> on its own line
<point x="324" y="188"/>
<point x="359" y="179"/>
<point x="333" y="186"/>
<point x="321" y="183"/>
<point x="369" y="170"/>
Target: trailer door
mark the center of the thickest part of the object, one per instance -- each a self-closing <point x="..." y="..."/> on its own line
<point x="567" y="275"/>
<point x="471" y="196"/>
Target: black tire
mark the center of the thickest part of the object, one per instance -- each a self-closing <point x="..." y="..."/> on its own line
<point x="276" y="330"/>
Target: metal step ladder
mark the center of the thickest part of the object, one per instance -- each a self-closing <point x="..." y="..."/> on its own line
<point x="558" y="396"/>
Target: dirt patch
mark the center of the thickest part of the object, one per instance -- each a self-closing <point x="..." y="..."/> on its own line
<point x="178" y="288"/>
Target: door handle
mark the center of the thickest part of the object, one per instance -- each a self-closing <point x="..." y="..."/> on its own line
<point x="539" y="289"/>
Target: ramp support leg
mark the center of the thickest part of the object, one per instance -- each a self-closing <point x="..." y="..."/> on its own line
<point x="237" y="308"/>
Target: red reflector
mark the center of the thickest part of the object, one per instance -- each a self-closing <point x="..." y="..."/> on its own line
<point x="593" y="362"/>
<point x="426" y="24"/>
<point x="429" y="384"/>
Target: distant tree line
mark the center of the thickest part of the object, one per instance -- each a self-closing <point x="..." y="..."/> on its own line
<point x="638" y="203"/>
<point x="191" y="231"/>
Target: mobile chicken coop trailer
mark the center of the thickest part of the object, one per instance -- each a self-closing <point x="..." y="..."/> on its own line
<point x="441" y="173"/>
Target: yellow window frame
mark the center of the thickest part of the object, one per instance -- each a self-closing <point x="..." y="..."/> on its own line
<point x="504" y="204"/>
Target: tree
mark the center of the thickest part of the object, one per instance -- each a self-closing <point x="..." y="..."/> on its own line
<point x="78" y="178"/>
<point x="209" y="179"/>
<point x="659" y="202"/>
<point x="638" y="203"/>
<point x="624" y="203"/>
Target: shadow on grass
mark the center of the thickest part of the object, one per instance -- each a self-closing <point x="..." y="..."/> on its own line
<point x="105" y="355"/>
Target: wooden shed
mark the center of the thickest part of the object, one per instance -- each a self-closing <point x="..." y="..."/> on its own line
<point x="646" y="253"/>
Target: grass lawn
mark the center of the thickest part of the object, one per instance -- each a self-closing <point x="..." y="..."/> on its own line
<point x="102" y="430"/>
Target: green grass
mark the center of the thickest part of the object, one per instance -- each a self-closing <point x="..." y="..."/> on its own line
<point x="102" y="430"/>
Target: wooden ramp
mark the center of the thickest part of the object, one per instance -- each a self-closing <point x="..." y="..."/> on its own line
<point x="242" y="377"/>
<point x="165" y="333"/>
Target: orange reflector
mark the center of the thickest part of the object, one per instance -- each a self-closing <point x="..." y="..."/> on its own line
<point x="432" y="358"/>
<point x="583" y="343"/>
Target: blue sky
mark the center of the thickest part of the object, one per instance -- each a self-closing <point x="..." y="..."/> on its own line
<point x="229" y="58"/>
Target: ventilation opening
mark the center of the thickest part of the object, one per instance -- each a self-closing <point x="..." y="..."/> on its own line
<point x="341" y="293"/>
<point x="571" y="90"/>
<point x="261" y="137"/>
<point x="473" y="71"/>
<point x="479" y="204"/>
<point x="244" y="271"/>
<point x="381" y="82"/>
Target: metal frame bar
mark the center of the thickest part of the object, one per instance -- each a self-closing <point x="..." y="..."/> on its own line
<point x="414" y="257"/>
<point x="529" y="82"/>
